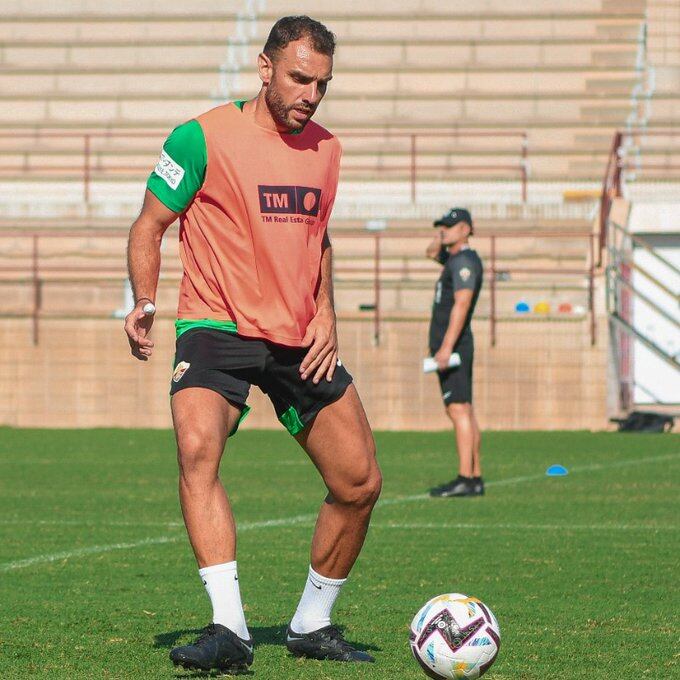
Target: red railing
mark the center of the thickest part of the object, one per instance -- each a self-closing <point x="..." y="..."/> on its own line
<point x="616" y="164"/>
<point x="38" y="272"/>
<point x="492" y="270"/>
<point x="90" y="166"/>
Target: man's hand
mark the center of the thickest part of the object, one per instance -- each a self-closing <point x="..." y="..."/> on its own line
<point x="322" y="340"/>
<point x="433" y="248"/>
<point x="442" y="357"/>
<point x="137" y="326"/>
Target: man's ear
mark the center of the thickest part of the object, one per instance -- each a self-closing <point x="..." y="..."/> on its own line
<point x="265" y="68"/>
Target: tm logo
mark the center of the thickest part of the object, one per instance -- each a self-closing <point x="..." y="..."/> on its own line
<point x="289" y="200"/>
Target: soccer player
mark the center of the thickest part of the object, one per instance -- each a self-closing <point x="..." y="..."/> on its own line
<point x="253" y="183"/>
<point x="454" y="304"/>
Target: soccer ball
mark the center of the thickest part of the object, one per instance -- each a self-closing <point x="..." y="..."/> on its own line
<point x="455" y="636"/>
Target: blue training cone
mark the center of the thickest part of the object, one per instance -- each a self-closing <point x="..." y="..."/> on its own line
<point x="557" y="471"/>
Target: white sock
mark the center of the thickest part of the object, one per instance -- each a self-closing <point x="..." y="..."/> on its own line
<point x="318" y="597"/>
<point x="221" y="582"/>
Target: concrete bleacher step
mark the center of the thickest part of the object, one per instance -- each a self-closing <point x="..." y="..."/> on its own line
<point x="165" y="26"/>
<point x="406" y="109"/>
<point x="611" y="85"/>
<point x="91" y="31"/>
<point x="146" y="81"/>
<point x="148" y="10"/>
<point x="352" y="53"/>
<point x="623" y="55"/>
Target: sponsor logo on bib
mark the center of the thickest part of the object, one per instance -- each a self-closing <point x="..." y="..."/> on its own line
<point x="286" y="200"/>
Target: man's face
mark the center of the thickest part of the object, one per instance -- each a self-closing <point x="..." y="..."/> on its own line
<point x="452" y="235"/>
<point x="296" y="82"/>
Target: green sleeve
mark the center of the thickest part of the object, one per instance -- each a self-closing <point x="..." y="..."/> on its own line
<point x="181" y="168"/>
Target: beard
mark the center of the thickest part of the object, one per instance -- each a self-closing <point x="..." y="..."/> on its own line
<point x="282" y="113"/>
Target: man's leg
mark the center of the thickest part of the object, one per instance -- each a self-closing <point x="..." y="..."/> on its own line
<point x="476" y="446"/>
<point x="340" y="443"/>
<point x="468" y="482"/>
<point x="462" y="417"/>
<point x="203" y="420"/>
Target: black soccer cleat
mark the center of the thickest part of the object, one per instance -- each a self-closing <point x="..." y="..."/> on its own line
<point x="217" y="648"/>
<point x="478" y="483"/>
<point x="461" y="486"/>
<point x="324" y="644"/>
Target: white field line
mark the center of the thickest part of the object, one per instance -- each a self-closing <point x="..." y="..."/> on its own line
<point x="97" y="549"/>
<point x="527" y="527"/>
<point x="86" y="523"/>
<point x="303" y="519"/>
<point x="82" y="552"/>
<point x="532" y="478"/>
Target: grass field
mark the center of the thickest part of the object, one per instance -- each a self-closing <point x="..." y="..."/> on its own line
<point x="97" y="578"/>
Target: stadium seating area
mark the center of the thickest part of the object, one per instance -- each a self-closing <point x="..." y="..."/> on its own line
<point x="566" y="75"/>
<point x="501" y="108"/>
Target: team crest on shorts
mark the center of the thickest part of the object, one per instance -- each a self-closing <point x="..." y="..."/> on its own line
<point x="181" y="368"/>
<point x="465" y="273"/>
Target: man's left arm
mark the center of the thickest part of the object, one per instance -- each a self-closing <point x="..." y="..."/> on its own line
<point x="321" y="336"/>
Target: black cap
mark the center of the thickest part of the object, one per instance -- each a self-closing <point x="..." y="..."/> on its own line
<point x="452" y="217"/>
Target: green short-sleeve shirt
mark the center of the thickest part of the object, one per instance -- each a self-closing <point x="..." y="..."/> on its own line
<point x="180" y="171"/>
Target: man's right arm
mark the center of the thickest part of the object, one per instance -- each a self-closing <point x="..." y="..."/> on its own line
<point x="144" y="263"/>
<point x="435" y="251"/>
<point x="171" y="187"/>
<point x="432" y="250"/>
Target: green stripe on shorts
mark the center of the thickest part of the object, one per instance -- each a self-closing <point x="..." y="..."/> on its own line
<point x="291" y="420"/>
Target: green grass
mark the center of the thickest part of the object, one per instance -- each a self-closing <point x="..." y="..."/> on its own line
<point x="581" y="571"/>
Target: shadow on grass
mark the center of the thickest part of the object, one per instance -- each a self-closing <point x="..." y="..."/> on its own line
<point x="262" y="635"/>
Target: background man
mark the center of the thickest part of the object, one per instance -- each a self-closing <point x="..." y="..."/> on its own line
<point x="454" y="304"/>
<point x="253" y="183"/>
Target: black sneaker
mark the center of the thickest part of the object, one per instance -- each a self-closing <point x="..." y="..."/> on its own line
<point x="460" y="486"/>
<point x="324" y="644"/>
<point x="478" y="484"/>
<point x="217" y="648"/>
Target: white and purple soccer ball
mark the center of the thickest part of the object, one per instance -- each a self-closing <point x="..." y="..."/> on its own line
<point x="455" y="636"/>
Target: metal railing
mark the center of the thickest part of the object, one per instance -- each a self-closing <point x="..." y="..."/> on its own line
<point x="91" y="148"/>
<point x="620" y="295"/>
<point x="38" y="270"/>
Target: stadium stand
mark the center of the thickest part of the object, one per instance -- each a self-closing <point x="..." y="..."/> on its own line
<point x="503" y="109"/>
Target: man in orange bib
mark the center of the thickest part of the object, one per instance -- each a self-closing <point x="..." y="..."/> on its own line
<point x="253" y="184"/>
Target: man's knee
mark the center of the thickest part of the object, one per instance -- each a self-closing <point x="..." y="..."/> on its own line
<point x="360" y="493"/>
<point x="459" y="410"/>
<point x="362" y="488"/>
<point x="198" y="452"/>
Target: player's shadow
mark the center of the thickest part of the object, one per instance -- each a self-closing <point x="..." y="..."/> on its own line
<point x="262" y="635"/>
<point x="276" y="635"/>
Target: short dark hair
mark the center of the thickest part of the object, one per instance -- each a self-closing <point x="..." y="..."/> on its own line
<point x="289" y="29"/>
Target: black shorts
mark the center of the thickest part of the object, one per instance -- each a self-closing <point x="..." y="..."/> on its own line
<point x="229" y="364"/>
<point x="456" y="383"/>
